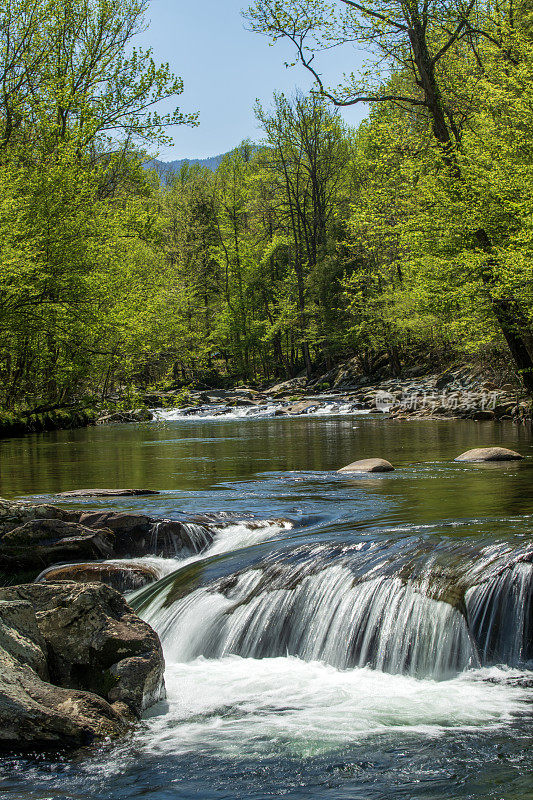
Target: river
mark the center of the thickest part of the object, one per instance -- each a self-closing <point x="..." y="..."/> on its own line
<point x="301" y="661"/>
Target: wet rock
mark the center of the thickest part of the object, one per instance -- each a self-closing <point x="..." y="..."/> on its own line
<point x="122" y="577"/>
<point x="94" y="642"/>
<point x="107" y="493"/>
<point x="124" y="417"/>
<point x="42" y="542"/>
<point x="76" y="665"/>
<point x="138" y="535"/>
<point x="368" y="465"/>
<point x="483" y="416"/>
<point x="35" y="537"/>
<point x="489" y="454"/>
<point x="301" y="408"/>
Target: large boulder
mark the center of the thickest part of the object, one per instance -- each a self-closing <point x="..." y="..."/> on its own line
<point x="490" y="454"/>
<point x="35" y="714"/>
<point x="368" y="465"/>
<point x="123" y="577"/>
<point x="13" y="514"/>
<point x="93" y="643"/>
<point x="76" y="665"/>
<point x="138" y="535"/>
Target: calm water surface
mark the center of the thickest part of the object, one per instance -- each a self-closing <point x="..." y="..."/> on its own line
<point x="282" y="727"/>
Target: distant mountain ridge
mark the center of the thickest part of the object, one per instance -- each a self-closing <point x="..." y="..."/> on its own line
<point x="174" y="166"/>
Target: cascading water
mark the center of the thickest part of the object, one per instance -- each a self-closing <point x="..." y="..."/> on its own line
<point x="191" y="537"/>
<point x="500" y="616"/>
<point x="320" y="408"/>
<point x="175" y="544"/>
<point x="392" y="609"/>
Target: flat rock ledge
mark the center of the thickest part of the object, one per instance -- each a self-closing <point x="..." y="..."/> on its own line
<point x="490" y="454"/>
<point x="368" y="465"/>
<point x="76" y="665"/>
<point x="123" y="577"/>
<point x="107" y="493"/>
<point x="34" y="537"/>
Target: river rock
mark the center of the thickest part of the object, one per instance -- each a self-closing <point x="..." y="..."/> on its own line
<point x="94" y="642"/>
<point x="76" y="665"/>
<point x="122" y="577"/>
<point x="490" y="454"/>
<point x="42" y="542"/>
<point x="301" y="408"/>
<point x="137" y="535"/>
<point x="125" y="417"/>
<point x="33" y="537"/>
<point x="368" y="465"/>
<point x="13" y="515"/>
<point x="483" y="415"/>
<point x="107" y="493"/>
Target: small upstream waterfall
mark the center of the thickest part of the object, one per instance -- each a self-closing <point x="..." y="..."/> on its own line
<point x="319" y="408"/>
<point x="356" y="609"/>
<point x="170" y="539"/>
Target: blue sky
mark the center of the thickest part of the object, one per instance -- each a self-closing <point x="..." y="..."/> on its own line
<point x="225" y="68"/>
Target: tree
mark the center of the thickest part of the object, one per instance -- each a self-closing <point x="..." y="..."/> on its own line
<point x="307" y="160"/>
<point x="77" y="102"/>
<point x="415" y="46"/>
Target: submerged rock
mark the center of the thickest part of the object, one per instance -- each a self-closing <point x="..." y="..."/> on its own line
<point x="122" y="577"/>
<point x="107" y="493"/>
<point x="76" y="665"/>
<point x="490" y="454"/>
<point x="368" y="465"/>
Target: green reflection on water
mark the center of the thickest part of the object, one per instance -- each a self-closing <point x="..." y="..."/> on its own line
<point x="196" y="455"/>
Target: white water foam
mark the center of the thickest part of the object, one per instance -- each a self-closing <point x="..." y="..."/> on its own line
<point x="266" y="411"/>
<point x="239" y="707"/>
<point x="227" y="538"/>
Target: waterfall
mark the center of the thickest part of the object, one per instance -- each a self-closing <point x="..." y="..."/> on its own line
<point x="382" y="623"/>
<point x="170" y="539"/>
<point x="402" y="608"/>
<point x="500" y="616"/>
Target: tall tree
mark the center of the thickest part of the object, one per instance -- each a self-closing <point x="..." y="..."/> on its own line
<point x="414" y="45"/>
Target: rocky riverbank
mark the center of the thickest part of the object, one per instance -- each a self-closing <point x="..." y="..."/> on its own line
<point x="458" y="393"/>
<point x="35" y="537"/>
<point x="76" y="664"/>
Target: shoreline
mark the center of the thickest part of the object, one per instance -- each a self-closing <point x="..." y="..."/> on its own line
<point x="450" y="395"/>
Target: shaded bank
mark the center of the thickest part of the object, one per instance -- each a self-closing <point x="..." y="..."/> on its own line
<point x="12" y="424"/>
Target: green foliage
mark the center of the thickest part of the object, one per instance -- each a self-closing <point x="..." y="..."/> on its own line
<point x="80" y="273"/>
<point x="406" y="242"/>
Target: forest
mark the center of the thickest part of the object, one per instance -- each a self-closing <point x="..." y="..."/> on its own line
<point x="407" y="241"/>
